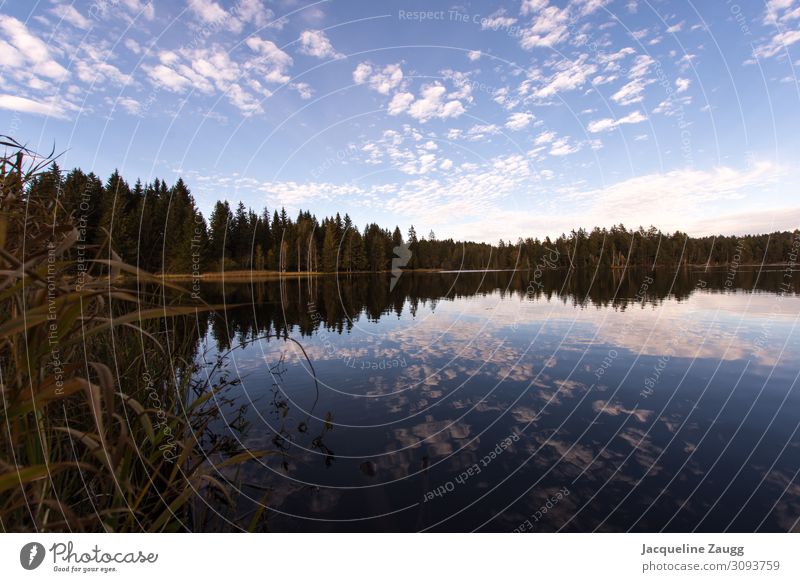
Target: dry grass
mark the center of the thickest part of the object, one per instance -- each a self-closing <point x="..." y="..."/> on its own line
<point x="90" y="441"/>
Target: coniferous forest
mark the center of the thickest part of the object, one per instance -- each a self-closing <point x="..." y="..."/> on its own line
<point x="159" y="228"/>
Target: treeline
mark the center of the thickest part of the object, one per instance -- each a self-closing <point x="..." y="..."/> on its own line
<point x="160" y="229"/>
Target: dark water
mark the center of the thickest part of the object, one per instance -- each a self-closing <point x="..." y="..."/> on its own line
<point x="553" y="401"/>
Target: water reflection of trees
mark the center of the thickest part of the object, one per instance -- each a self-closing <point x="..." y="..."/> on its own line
<point x="303" y="305"/>
<point x="289" y="310"/>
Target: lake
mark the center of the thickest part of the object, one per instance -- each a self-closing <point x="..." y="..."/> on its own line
<point x="543" y="401"/>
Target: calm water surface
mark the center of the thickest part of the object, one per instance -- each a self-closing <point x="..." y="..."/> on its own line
<point x="640" y="401"/>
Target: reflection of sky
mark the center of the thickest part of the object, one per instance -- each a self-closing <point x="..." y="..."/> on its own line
<point x="477" y="369"/>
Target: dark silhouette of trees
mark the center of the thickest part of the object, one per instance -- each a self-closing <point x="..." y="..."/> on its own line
<point x="160" y="229"/>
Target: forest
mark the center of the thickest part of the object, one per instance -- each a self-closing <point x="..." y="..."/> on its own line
<point x="158" y="228"/>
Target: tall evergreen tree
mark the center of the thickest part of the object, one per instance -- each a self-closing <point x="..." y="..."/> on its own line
<point x="218" y="228"/>
<point x="329" y="247"/>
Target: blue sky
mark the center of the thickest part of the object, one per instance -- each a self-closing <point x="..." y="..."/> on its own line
<point x="477" y="120"/>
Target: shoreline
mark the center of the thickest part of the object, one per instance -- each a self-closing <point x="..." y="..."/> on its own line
<point x="263" y="275"/>
<point x="268" y="275"/>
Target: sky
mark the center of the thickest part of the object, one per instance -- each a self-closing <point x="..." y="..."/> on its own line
<point x="476" y="120"/>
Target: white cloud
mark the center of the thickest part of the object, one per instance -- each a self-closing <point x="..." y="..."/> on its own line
<point x="675" y="27"/>
<point x="545" y="137"/>
<point x="478" y="132"/>
<point x="383" y="81"/>
<point x="683" y="199"/>
<point x="686" y="61"/>
<point x="132" y="106"/>
<point x="140" y="8"/>
<point x="272" y="63"/>
<point x="215" y="65"/>
<point x="466" y="191"/>
<point x="532" y="6"/>
<point x="209" y="70"/>
<point x="641" y="66"/>
<point x="603" y="79"/>
<point x="518" y="121"/>
<point x="756" y="220"/>
<point x="563" y="147"/>
<point x="568" y="75"/>
<point x="548" y="28"/>
<point x="98" y="72"/>
<point x="168" y="58"/>
<point x="501" y="97"/>
<point x="254" y="11"/>
<point x="778" y="43"/>
<point x="132" y="46"/>
<point x="682" y="85"/>
<point x="419" y="165"/>
<point x="461" y="83"/>
<point x="608" y="124"/>
<point x="630" y="93"/>
<point x="50" y="108"/>
<point x="303" y="89"/>
<point x="243" y="13"/>
<point x="68" y="13"/>
<point x="431" y="104"/>
<point x="208" y="11"/>
<point x="22" y="49"/>
<point x="667" y="199"/>
<point x="92" y="65"/>
<point x="361" y="73"/>
<point x="497" y="21"/>
<point x="586" y="7"/>
<point x="295" y="193"/>
<point x="386" y="80"/>
<point x="400" y="103"/>
<point x="135" y="8"/>
<point x="246" y="103"/>
<point x="316" y="44"/>
<point x="474" y="55"/>
<point x="167" y="78"/>
<point x="481" y="131"/>
<point x="673" y="105"/>
<point x="779" y="11"/>
<point x="611" y="60"/>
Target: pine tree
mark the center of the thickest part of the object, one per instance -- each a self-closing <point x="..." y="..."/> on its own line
<point x="376" y="241"/>
<point x="238" y="243"/>
<point x="359" y="252"/>
<point x="263" y="241"/>
<point x="304" y="240"/>
<point x="329" y="247"/>
<point x="218" y="227"/>
<point x="185" y="231"/>
<point x="346" y="259"/>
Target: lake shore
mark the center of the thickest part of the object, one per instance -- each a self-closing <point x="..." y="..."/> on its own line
<point x="265" y="275"/>
<point x="268" y="275"/>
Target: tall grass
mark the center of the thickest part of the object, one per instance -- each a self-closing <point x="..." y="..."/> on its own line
<point x="102" y="426"/>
